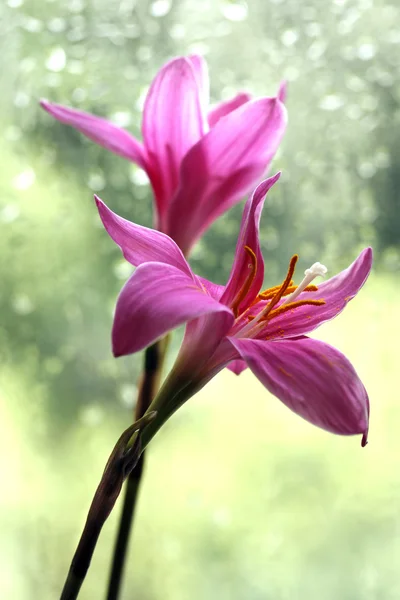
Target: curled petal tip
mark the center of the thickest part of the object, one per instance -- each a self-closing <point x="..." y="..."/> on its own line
<point x="282" y="92"/>
<point x="277" y="176"/>
<point x="364" y="440"/>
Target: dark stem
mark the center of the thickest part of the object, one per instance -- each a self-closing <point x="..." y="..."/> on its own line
<point x="153" y="362"/>
<point x="81" y="561"/>
<point x="123" y="535"/>
<point x="122" y="461"/>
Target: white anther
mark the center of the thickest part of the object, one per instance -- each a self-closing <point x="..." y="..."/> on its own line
<point x="316" y="270"/>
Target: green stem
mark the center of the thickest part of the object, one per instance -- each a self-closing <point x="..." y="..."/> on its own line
<point x="153" y="363"/>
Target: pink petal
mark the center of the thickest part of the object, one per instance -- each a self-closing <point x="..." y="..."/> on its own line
<point x="157" y="298"/>
<point x="214" y="289"/>
<point x="282" y="93"/>
<point x="205" y="351"/>
<point x="140" y="244"/>
<point x="223" y="166"/>
<point x="224" y="108"/>
<point x="237" y="366"/>
<point x="173" y="122"/>
<point x="248" y="236"/>
<point x="313" y="379"/>
<point x="336" y="292"/>
<point x="201" y="71"/>
<point x="100" y="131"/>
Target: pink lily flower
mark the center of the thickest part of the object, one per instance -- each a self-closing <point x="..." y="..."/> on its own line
<point x="239" y="325"/>
<point x="200" y="162"/>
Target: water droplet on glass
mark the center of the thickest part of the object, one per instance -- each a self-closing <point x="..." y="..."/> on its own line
<point x="91" y="415"/>
<point x="56" y="25"/>
<point x="331" y="102"/>
<point x="143" y="53"/>
<point x="78" y="95"/>
<point x="291" y="73"/>
<point x="22" y="304"/>
<point x="21" y="100"/>
<point x="127" y="395"/>
<point x="122" y="269"/>
<point x="366" y="51"/>
<point x="366" y="170"/>
<point x="9" y="213"/>
<point x="177" y="31"/>
<point x="160" y="8"/>
<point x="382" y="159"/>
<point x="96" y="181"/>
<point x="316" y="50"/>
<point x="289" y="37"/>
<point x="313" y="29"/>
<point x="76" y="6"/>
<point x="24" y="180"/>
<point x="57" y="60"/>
<point x="32" y="25"/>
<point x="234" y="11"/>
<point x="122" y="118"/>
<point x="138" y="176"/>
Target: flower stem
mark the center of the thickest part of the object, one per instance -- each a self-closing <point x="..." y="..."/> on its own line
<point x="153" y="363"/>
<point x="121" y="462"/>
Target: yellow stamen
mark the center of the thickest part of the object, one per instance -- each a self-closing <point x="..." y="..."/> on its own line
<point x="282" y="289"/>
<point x="291" y="306"/>
<point x="242" y="293"/>
<point x="284" y="308"/>
<point x="268" y="294"/>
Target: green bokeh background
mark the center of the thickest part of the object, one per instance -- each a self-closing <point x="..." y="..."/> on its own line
<point x="241" y="500"/>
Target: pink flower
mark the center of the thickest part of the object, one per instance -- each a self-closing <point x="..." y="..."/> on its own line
<point x="238" y="325"/>
<point x="200" y="162"/>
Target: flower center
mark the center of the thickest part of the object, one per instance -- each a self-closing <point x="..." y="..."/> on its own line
<point x="256" y="324"/>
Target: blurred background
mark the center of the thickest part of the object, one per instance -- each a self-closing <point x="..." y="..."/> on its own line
<point x="241" y="499"/>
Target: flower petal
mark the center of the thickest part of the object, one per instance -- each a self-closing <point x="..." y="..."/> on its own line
<point x="282" y="92"/>
<point x="237" y="366"/>
<point x="214" y="289"/>
<point x="140" y="244"/>
<point x="100" y="131"/>
<point x="223" y="166"/>
<point x="224" y="108"/>
<point x="249" y="236"/>
<point x="173" y="122"/>
<point x="336" y="292"/>
<point x="203" y="81"/>
<point x="313" y="379"/>
<point x="157" y="298"/>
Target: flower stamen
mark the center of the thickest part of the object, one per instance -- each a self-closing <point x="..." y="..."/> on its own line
<point x="268" y="294"/>
<point x="282" y="289"/>
<point x="242" y="293"/>
<point x="277" y="296"/>
<point x="291" y="305"/>
<point x="316" y="270"/>
<point x="286" y="307"/>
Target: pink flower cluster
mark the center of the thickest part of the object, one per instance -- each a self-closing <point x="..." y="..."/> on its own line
<point x="200" y="162"/>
